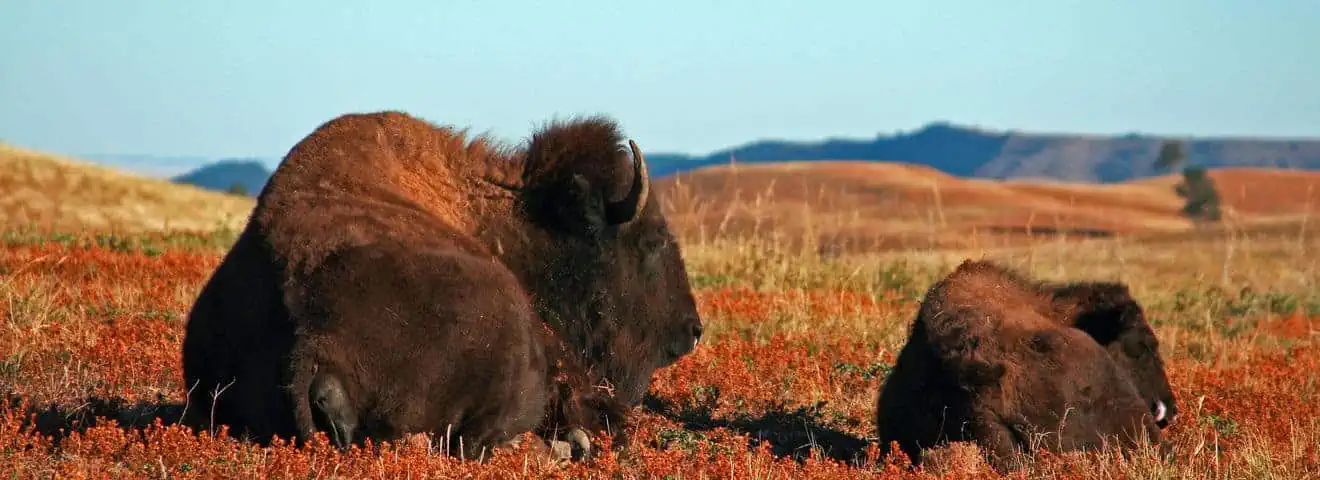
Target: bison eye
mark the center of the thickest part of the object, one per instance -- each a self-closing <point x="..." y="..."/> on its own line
<point x="1139" y="346"/>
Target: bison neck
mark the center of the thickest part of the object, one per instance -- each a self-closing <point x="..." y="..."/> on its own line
<point x="557" y="275"/>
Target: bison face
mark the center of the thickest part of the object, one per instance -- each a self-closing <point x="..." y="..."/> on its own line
<point x="619" y="287"/>
<point x="649" y="261"/>
<point x="1137" y="351"/>
<point x="1114" y="319"/>
<point x="646" y="288"/>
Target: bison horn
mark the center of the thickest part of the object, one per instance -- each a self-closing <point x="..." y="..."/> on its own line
<point x="624" y="211"/>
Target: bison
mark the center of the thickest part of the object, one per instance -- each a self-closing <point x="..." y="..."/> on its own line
<point x="1107" y="312"/>
<point x="989" y="360"/>
<point x="397" y="276"/>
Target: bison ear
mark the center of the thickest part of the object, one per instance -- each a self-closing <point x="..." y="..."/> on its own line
<point x="580" y="208"/>
<point x="1103" y="310"/>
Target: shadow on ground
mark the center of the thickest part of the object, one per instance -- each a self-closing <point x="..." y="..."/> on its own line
<point x="58" y="421"/>
<point x="790" y="432"/>
<point x="793" y="433"/>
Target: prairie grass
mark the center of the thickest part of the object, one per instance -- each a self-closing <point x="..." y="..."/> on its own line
<point x="50" y="192"/>
<point x="783" y="386"/>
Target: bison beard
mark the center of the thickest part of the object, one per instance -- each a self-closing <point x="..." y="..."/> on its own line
<point x="988" y="361"/>
<point x="397" y="277"/>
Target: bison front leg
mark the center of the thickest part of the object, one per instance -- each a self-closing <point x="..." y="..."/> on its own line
<point x="330" y="404"/>
<point x="1002" y="442"/>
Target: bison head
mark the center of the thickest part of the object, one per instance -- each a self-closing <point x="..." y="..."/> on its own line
<point x="1109" y="314"/>
<point x="604" y="268"/>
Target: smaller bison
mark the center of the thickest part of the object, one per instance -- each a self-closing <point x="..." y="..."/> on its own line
<point x="993" y="359"/>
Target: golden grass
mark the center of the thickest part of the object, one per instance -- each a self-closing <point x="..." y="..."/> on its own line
<point x="49" y="192"/>
<point x="869" y="206"/>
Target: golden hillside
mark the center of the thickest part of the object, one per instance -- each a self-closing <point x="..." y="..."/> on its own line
<point x="847" y="205"/>
<point x="49" y="192"/>
<point x="835" y="206"/>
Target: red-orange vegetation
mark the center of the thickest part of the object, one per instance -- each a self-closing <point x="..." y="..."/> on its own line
<point x="86" y="264"/>
<point x="753" y="306"/>
<point x="77" y="321"/>
<point x="741" y="376"/>
<point x="1272" y="394"/>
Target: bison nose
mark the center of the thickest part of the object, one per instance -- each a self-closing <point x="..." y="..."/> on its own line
<point x="685" y="339"/>
<point x="1162" y="416"/>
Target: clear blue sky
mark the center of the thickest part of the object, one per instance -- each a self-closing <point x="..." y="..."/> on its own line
<point x="244" y="77"/>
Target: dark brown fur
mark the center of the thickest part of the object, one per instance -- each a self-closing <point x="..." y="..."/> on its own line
<point x="985" y="362"/>
<point x="1107" y="312"/>
<point x="398" y="277"/>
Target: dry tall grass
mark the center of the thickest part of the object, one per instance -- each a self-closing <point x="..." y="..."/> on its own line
<point x="869" y="206"/>
<point x="799" y="339"/>
<point x="50" y="192"/>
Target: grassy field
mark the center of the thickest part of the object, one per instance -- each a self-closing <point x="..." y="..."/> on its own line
<point x="784" y="388"/>
<point x="799" y="340"/>
<point x="868" y="206"/>
<point x="50" y="192"/>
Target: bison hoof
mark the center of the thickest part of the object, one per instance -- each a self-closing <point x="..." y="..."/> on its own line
<point x="576" y="447"/>
<point x="560" y="450"/>
<point x="580" y="443"/>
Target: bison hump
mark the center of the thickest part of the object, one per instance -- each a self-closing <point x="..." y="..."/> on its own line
<point x="965" y="344"/>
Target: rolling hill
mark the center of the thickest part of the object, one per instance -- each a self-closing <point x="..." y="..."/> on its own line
<point x="867" y="206"/>
<point x="50" y="192"/>
<point x="976" y="153"/>
<point x="248" y="174"/>
<point x="956" y="150"/>
<point x="834" y="206"/>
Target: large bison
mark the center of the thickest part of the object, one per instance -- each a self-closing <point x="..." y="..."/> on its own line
<point x="400" y="277"/>
<point x="990" y="360"/>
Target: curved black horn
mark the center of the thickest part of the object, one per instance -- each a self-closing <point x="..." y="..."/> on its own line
<point x="624" y="211"/>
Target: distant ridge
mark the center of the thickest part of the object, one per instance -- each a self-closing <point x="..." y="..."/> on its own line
<point x="977" y="153"/>
<point x="960" y="151"/>
<point x="249" y="174"/>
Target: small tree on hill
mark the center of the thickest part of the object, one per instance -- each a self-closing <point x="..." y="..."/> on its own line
<point x="1202" y="197"/>
<point x="1197" y="187"/>
<point x="237" y="189"/>
<point x="1171" y="155"/>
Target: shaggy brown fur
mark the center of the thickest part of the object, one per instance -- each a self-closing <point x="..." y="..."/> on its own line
<point x="986" y="363"/>
<point x="1107" y="312"/>
<point x="394" y="276"/>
